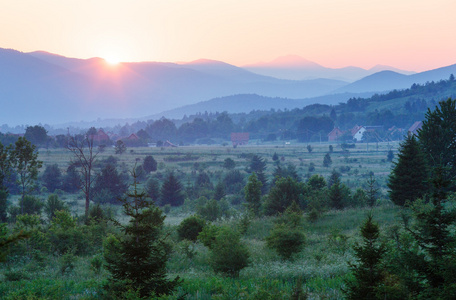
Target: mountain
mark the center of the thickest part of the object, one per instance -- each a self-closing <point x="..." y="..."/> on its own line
<point x="49" y="88"/>
<point x="389" y="80"/>
<point x="249" y="102"/>
<point x="294" y="67"/>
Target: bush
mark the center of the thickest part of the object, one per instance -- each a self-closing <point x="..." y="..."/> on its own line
<point x="190" y="228"/>
<point x="228" y="255"/>
<point x="285" y="240"/>
<point x="53" y="204"/>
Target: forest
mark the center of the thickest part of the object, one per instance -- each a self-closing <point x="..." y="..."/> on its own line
<point x="302" y="221"/>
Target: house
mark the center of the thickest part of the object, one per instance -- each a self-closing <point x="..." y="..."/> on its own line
<point x="132" y="137"/>
<point x="415" y="127"/>
<point x="239" y="138"/>
<point x="99" y="137"/>
<point x="335" y="134"/>
<point x="357" y="133"/>
<point x="168" y="144"/>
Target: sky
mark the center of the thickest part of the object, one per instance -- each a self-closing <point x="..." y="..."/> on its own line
<point x="414" y="35"/>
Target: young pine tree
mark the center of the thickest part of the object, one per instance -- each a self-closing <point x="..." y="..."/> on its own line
<point x="367" y="274"/>
<point x="137" y="260"/>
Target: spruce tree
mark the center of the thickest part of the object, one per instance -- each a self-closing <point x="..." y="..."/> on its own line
<point x="437" y="136"/>
<point x="137" y="260"/>
<point x="171" y="191"/>
<point x="434" y="265"/>
<point x="408" y="179"/>
<point x="367" y="274"/>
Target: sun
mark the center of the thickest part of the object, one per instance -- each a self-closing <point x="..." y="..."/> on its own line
<point x="112" y="59"/>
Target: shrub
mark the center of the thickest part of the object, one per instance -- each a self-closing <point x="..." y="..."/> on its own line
<point x="190" y="228"/>
<point x="228" y="255"/>
<point x="53" y="204"/>
<point x="285" y="240"/>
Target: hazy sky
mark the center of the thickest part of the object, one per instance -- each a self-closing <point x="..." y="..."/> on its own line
<point x="410" y="34"/>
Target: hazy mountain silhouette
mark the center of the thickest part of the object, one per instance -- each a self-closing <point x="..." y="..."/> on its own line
<point x="61" y="89"/>
<point x="389" y="80"/>
<point x="297" y="68"/>
<point x="41" y="87"/>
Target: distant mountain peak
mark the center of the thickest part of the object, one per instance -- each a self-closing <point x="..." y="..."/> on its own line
<point x="288" y="61"/>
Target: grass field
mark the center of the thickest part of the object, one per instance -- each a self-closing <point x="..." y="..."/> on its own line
<point x="321" y="265"/>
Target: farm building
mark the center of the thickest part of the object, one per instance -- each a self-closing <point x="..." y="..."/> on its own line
<point x="239" y="138"/>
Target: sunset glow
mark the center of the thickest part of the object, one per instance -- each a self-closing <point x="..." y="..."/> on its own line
<point x="414" y="35"/>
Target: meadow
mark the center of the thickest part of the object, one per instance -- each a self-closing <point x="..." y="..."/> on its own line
<point x="319" y="269"/>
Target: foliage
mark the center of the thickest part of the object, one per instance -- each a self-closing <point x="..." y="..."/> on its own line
<point x="52" y="177"/>
<point x="252" y="192"/>
<point x="37" y="135"/>
<point x="368" y="273"/>
<point x="53" y="204"/>
<point x="110" y="180"/>
<point x="371" y="191"/>
<point x="3" y="206"/>
<point x="228" y="254"/>
<point x="286" y="237"/>
<point x="8" y="240"/>
<point x="190" y="228"/>
<point x="138" y="259"/>
<point x="437" y="135"/>
<point x="390" y="156"/>
<point x="149" y="164"/>
<point x="31" y="205"/>
<point x="24" y="158"/>
<point x="66" y="236"/>
<point x="327" y="161"/>
<point x="153" y="189"/>
<point x="285" y="240"/>
<point x="282" y="195"/>
<point x="408" y="179"/>
<point x="120" y="147"/>
<point x="219" y="192"/>
<point x="172" y="191"/>
<point x="434" y="265"/>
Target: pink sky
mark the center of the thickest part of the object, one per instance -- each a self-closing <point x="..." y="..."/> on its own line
<point x="415" y="35"/>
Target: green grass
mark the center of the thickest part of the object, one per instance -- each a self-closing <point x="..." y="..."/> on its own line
<point x="322" y="264"/>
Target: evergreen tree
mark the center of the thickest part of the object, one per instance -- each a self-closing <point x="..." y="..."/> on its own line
<point x="153" y="189"/>
<point x="111" y="181"/>
<point x="149" y="164"/>
<point x="171" y="191"/>
<point x="253" y="194"/>
<point x="437" y="136"/>
<point x="408" y="179"/>
<point x="367" y="274"/>
<point x="282" y="195"/>
<point x="258" y="165"/>
<point x="327" y="161"/>
<point x="434" y="265"/>
<point x="137" y="260"/>
<point x="371" y="191"/>
<point x="219" y="191"/>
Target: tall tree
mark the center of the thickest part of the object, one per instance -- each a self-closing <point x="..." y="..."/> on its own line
<point x="24" y="158"/>
<point x="282" y="195"/>
<point x="434" y="265"/>
<point x="408" y="179"/>
<point x="252" y="192"/>
<point x="258" y="165"/>
<point x="437" y="136"/>
<point x="52" y="177"/>
<point x="171" y="191"/>
<point x="37" y="135"/>
<point x="109" y="180"/>
<point x="84" y="156"/>
<point x="137" y="260"/>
